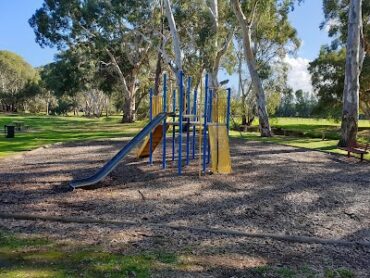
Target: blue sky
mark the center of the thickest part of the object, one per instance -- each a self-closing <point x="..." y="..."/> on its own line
<point x="306" y="18"/>
<point x="16" y="35"/>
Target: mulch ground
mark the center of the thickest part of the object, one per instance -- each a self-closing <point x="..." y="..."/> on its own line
<point x="273" y="189"/>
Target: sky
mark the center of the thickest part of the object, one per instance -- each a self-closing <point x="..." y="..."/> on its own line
<point x="306" y="18"/>
<point x="17" y="36"/>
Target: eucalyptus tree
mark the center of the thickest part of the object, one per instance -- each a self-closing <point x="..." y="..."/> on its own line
<point x="70" y="74"/>
<point x="349" y="24"/>
<point x="109" y="28"/>
<point x="15" y="76"/>
<point x="327" y="77"/>
<point x="266" y="37"/>
<point x="221" y="34"/>
<point x="201" y="35"/>
<point x="336" y="22"/>
<point x="354" y="60"/>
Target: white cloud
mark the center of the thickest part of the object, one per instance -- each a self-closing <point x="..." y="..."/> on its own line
<point x="298" y="74"/>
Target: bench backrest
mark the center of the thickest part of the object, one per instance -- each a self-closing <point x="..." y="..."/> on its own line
<point x="360" y="146"/>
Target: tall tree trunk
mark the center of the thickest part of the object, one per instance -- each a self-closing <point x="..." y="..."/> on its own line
<point x="175" y="38"/>
<point x="158" y="72"/>
<point x="158" y="69"/>
<point x="252" y="66"/>
<point x="354" y="61"/>
<point x="220" y="51"/>
<point x="129" y="115"/>
<point x="129" y="105"/>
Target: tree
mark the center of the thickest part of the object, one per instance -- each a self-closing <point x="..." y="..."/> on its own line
<point x="336" y="21"/>
<point x="266" y="34"/>
<point x="175" y="39"/>
<point x="107" y="28"/>
<point x="15" y="75"/>
<point x="287" y="105"/>
<point x="246" y="26"/>
<point x="349" y="25"/>
<point x="327" y="77"/>
<point x="354" y="60"/>
<point x="221" y="35"/>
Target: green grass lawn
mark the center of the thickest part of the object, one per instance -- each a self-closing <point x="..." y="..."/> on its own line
<point x="45" y="130"/>
<point x="48" y="130"/>
<point x="306" y="142"/>
<point x="312" y="130"/>
<point x="316" y="127"/>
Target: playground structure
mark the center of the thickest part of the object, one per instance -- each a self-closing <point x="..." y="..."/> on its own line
<point x="197" y="121"/>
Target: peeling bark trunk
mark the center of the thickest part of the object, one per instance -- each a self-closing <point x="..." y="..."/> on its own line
<point x="129" y="115"/>
<point x="129" y="105"/>
<point x="176" y="41"/>
<point x="175" y="36"/>
<point x="158" y="72"/>
<point x="220" y="51"/>
<point x="252" y="66"/>
<point x="158" y="69"/>
<point x="354" y="61"/>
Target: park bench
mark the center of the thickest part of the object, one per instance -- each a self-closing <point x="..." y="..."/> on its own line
<point x="356" y="148"/>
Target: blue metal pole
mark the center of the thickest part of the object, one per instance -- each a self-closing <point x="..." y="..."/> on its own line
<point x="151" y="118"/>
<point x="173" y="126"/>
<point x="194" y="127"/>
<point x="164" y="121"/>
<point x="181" y="107"/>
<point x="188" y="122"/>
<point x="228" y="110"/>
<point x="205" y="112"/>
<point x="210" y="100"/>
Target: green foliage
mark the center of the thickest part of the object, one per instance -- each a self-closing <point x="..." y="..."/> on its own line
<point x="64" y="105"/>
<point x="328" y="69"/>
<point x="327" y="73"/>
<point x="336" y="18"/>
<point x="18" y="81"/>
<point x="273" y="101"/>
<point x="273" y="34"/>
<point x="287" y="105"/>
<point x="65" y="76"/>
<point x="106" y="45"/>
<point x="298" y="104"/>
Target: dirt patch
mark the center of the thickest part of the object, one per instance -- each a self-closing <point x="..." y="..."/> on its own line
<point x="273" y="189"/>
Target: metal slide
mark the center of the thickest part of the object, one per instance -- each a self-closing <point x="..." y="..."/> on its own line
<point x="111" y="164"/>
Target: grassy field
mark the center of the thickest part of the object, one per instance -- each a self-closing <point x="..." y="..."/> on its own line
<point x="48" y="130"/>
<point x="315" y="128"/>
<point x="312" y="132"/>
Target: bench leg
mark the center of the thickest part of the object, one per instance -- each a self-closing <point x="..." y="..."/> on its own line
<point x="348" y="154"/>
<point x="362" y="157"/>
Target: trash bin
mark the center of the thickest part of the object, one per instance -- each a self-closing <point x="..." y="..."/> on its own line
<point x="10" y="129"/>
